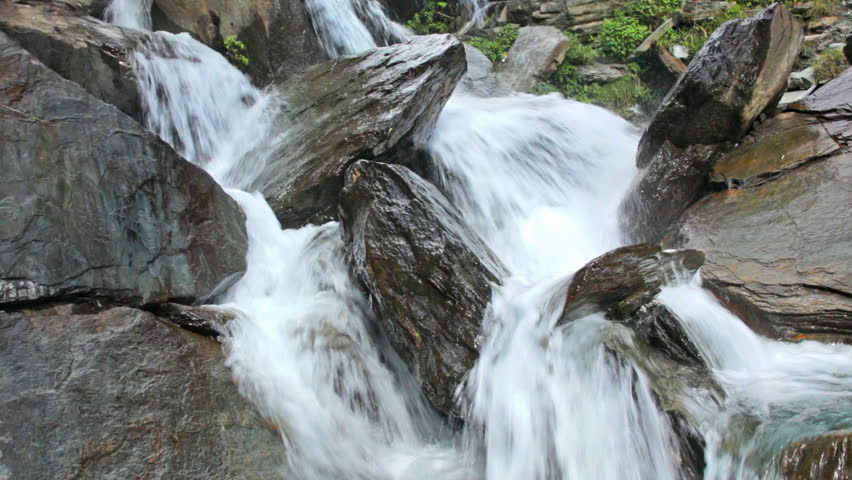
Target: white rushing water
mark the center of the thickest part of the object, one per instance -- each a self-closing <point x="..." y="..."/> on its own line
<point x="345" y="27"/>
<point x="129" y="13"/>
<point x="540" y="179"/>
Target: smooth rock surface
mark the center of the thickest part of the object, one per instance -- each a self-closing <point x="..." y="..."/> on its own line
<point x="623" y="280"/>
<point x="92" y="205"/>
<point x="533" y="58"/>
<point x="379" y="105"/>
<point x="740" y="72"/>
<point x="120" y="395"/>
<point x="80" y="48"/>
<point x="428" y="275"/>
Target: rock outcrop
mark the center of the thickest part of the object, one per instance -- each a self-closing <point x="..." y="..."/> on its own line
<point x="94" y="205"/>
<point x="740" y="72"/>
<point x="778" y="240"/>
<point x="80" y="48"/>
<point x="380" y="105"/>
<point x="623" y="280"/>
<point x="119" y="394"/>
<point x="579" y="16"/>
<point x="278" y="34"/>
<point x="428" y="275"/>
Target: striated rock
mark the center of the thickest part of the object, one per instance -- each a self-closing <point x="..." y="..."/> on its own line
<point x="696" y="12"/>
<point x="378" y="105"/>
<point x="119" y="395"/>
<point x="428" y="275"/>
<point x="827" y="457"/>
<point x="80" y="48"/>
<point x="623" y="280"/>
<point x="601" y="72"/>
<point x="94" y="205"/>
<point x="479" y="79"/>
<point x="534" y="57"/>
<point x="778" y="244"/>
<point x="278" y="34"/>
<point x="740" y="71"/>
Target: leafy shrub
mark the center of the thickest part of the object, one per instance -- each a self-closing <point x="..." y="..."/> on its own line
<point x="235" y="51"/>
<point x="579" y="53"/>
<point x="437" y="17"/>
<point x="694" y="36"/>
<point x="618" y="96"/>
<point x="498" y="47"/>
<point x="829" y="64"/>
<point x="652" y="12"/>
<point x="620" y="35"/>
<point x="823" y="8"/>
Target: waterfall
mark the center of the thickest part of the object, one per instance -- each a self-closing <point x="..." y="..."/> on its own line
<point x="129" y="13"/>
<point x="540" y="179"/>
<point x="345" y="27"/>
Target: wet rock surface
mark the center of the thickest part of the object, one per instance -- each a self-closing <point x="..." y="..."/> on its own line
<point x="428" y="275"/>
<point x="827" y="457"/>
<point x="623" y="280"/>
<point x="778" y="241"/>
<point x="79" y="48"/>
<point x="92" y="205"/>
<point x="741" y="70"/>
<point x="278" y="34"/>
<point x="118" y="395"/>
<point x="380" y="105"/>
<point x="207" y="320"/>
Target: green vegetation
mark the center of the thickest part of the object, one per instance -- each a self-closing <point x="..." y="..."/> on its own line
<point x="829" y="64"/>
<point x="619" y="96"/>
<point x="437" y="17"/>
<point x="652" y="12"/>
<point x="694" y="36"/>
<point x="823" y="8"/>
<point x="496" y="48"/>
<point x="579" y="53"/>
<point x="620" y="35"/>
<point x="235" y="51"/>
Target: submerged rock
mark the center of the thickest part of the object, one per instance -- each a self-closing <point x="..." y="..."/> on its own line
<point x="740" y="72"/>
<point x="93" y="205"/>
<point x="623" y="280"/>
<point x="379" y="105"/>
<point x="118" y="395"/>
<point x="428" y="275"/>
<point x="779" y="241"/>
<point x="80" y="48"/>
<point x="827" y="457"/>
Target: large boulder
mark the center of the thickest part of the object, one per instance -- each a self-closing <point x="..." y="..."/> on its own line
<point x="623" y="280"/>
<point x="380" y="105"/>
<point x="778" y="241"/>
<point x="428" y="275"/>
<point x="278" y="34"/>
<point x="118" y="395"/>
<point x="94" y="205"/>
<point x="740" y="72"/>
<point x="78" y="47"/>
<point x="533" y="58"/>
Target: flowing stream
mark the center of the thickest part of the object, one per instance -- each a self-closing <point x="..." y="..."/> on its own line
<point x="540" y="179"/>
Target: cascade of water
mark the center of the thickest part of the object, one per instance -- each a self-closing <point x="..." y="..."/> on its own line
<point x="777" y="392"/>
<point x="540" y="179"/>
<point x="345" y="27"/>
<point x="129" y="13"/>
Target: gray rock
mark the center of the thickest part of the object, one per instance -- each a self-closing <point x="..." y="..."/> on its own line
<point x="379" y="105"/>
<point x="601" y="72"/>
<point x="93" y="205"/>
<point x="207" y="320"/>
<point x="802" y="80"/>
<point x="479" y="79"/>
<point x="696" y="12"/>
<point x="119" y="395"/>
<point x="792" y="97"/>
<point x="623" y="280"/>
<point x="652" y="39"/>
<point x="534" y="57"/>
<point x="80" y="48"/>
<point x="740" y="72"/>
<point x="660" y="70"/>
<point x="428" y="275"/>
